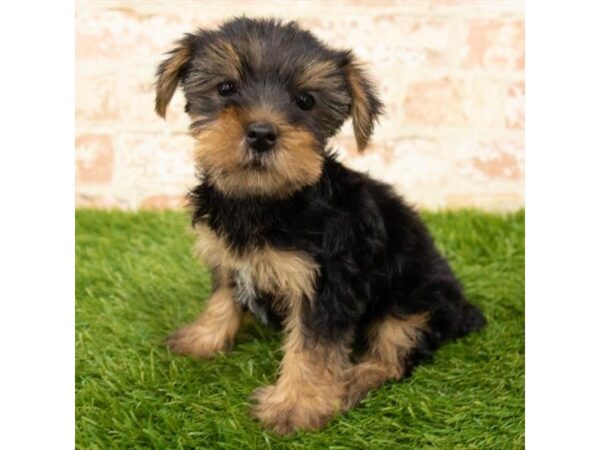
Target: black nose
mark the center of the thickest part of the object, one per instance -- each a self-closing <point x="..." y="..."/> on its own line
<point x="261" y="136"/>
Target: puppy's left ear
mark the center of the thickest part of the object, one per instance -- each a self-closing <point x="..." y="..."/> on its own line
<point x="366" y="106"/>
<point x="169" y="73"/>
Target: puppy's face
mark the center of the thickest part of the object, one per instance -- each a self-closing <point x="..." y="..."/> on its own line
<point x="264" y="98"/>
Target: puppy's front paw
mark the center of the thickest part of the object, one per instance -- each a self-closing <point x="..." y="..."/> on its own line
<point x="285" y="411"/>
<point x="197" y="341"/>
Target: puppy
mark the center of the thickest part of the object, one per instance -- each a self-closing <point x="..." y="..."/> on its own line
<point x="293" y="237"/>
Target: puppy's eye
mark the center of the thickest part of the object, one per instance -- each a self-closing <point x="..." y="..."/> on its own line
<point x="304" y="101"/>
<point x="226" y="88"/>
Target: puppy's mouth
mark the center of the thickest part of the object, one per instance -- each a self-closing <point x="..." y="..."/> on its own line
<point x="256" y="160"/>
<point x="257" y="152"/>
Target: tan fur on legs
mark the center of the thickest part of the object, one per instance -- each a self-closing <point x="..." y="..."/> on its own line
<point x="213" y="331"/>
<point x="310" y="388"/>
<point x="390" y="341"/>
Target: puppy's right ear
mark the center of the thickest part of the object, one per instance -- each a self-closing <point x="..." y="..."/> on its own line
<point x="170" y="71"/>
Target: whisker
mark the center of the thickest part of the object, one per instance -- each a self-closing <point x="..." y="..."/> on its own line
<point x="199" y="124"/>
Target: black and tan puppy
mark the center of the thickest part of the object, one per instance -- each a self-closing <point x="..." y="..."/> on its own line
<point x="294" y="237"/>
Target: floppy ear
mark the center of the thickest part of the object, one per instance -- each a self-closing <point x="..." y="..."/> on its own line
<point x="169" y="73"/>
<point x="366" y="106"/>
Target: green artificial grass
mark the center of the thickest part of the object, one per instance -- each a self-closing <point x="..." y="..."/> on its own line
<point x="137" y="281"/>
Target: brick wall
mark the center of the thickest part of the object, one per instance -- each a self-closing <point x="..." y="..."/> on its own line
<point x="451" y="74"/>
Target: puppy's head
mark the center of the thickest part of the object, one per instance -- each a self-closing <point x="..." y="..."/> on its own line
<point x="264" y="98"/>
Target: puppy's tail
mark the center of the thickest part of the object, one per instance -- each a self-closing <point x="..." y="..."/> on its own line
<point x="471" y="320"/>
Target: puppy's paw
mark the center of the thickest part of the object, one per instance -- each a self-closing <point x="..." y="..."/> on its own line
<point x="197" y="341"/>
<point x="285" y="412"/>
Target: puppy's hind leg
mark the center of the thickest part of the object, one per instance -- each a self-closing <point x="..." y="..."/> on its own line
<point x="390" y="343"/>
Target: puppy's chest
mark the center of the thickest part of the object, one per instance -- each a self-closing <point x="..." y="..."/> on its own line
<point x="261" y="275"/>
<point x="263" y="306"/>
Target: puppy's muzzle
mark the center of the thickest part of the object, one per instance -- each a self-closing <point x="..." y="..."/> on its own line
<point x="261" y="136"/>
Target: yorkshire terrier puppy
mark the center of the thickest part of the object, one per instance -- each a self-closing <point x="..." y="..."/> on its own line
<point x="335" y="258"/>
